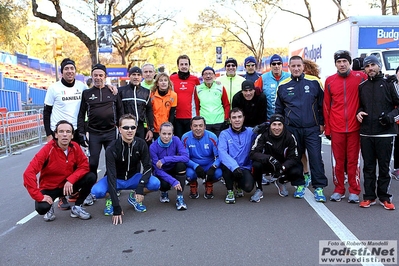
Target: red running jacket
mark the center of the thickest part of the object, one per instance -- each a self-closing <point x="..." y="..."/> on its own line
<point x="55" y="168"/>
<point x="341" y="102"/>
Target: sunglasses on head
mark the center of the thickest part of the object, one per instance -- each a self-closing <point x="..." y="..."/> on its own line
<point x="278" y="63"/>
<point x="129" y="127"/>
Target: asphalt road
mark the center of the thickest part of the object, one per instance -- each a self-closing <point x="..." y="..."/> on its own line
<point x="276" y="231"/>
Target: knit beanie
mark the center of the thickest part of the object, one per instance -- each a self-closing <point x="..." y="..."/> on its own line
<point x="343" y="54"/>
<point x="207" y="68"/>
<point x="65" y="62"/>
<point x="277" y="117"/>
<point x="135" y="69"/>
<point x="371" y="59"/>
<point x="231" y="60"/>
<point x="249" y="59"/>
<point x="99" y="66"/>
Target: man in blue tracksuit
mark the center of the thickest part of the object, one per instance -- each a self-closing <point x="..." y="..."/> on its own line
<point x="300" y="100"/>
<point x="234" y="148"/>
<point x="204" y="162"/>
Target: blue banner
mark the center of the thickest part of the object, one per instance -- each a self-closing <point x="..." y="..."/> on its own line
<point x="104" y="29"/>
<point x="378" y="37"/>
<point x="116" y="72"/>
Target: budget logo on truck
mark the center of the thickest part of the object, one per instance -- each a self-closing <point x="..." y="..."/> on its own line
<point x="313" y="53"/>
<point x="378" y="37"/>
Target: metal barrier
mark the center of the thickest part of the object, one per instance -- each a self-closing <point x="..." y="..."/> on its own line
<point x="21" y="128"/>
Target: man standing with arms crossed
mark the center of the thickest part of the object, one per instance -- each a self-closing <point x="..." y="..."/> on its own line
<point x="184" y="85"/>
<point x="341" y="101"/>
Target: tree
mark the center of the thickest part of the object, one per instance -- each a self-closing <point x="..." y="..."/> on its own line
<point x="308" y="17"/>
<point x="384" y="6"/>
<point x="249" y="32"/>
<point x="12" y="18"/>
<point x="124" y="22"/>
<point x="129" y="40"/>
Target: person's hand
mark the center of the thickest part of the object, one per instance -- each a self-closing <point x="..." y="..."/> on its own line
<point x="328" y="137"/>
<point x="83" y="140"/>
<point x="259" y="129"/>
<point x="49" y="137"/>
<point x="113" y="89"/>
<point x="238" y="173"/>
<point x="178" y="187"/>
<point x="117" y="219"/>
<point x="48" y="199"/>
<point x="68" y="188"/>
<point x="210" y="173"/>
<point x="149" y="135"/>
<point x="275" y="163"/>
<point x="159" y="164"/>
<point x="392" y="78"/>
<point x="360" y="115"/>
<point x="200" y="172"/>
<point x="321" y="129"/>
<point x="384" y="119"/>
<point x="139" y="198"/>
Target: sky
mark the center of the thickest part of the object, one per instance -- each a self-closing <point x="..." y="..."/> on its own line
<point x="282" y="28"/>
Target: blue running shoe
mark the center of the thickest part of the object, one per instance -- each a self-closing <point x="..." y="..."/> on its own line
<point x="139" y="207"/>
<point x="180" y="204"/>
<point x="109" y="209"/>
<point x="164" y="198"/>
<point x="318" y="195"/>
<point x="300" y="192"/>
<point x="308" y="179"/>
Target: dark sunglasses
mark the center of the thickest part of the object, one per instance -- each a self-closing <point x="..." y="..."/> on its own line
<point x="278" y="63"/>
<point x="230" y="65"/>
<point x="129" y="127"/>
<point x="250" y="65"/>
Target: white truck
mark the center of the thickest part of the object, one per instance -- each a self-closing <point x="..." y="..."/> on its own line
<point x="361" y="35"/>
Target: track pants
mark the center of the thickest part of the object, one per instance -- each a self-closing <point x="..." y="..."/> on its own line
<point x="346" y="147"/>
<point x="376" y="149"/>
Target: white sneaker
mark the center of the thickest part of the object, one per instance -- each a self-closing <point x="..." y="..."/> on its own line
<point x="49" y="216"/>
<point x="79" y="212"/>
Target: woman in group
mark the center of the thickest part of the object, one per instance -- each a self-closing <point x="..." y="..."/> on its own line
<point x="169" y="158"/>
<point x="164" y="102"/>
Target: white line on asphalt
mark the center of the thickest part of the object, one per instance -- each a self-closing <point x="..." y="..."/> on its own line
<point x="9" y="230"/>
<point x="27" y="218"/>
<point x="332" y="221"/>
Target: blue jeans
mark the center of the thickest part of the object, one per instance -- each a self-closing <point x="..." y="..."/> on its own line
<point x="100" y="189"/>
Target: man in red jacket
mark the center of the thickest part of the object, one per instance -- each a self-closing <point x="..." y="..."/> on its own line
<point x="341" y="101"/>
<point x="64" y="170"/>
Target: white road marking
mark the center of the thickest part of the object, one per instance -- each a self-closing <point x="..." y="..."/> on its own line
<point x="343" y="233"/>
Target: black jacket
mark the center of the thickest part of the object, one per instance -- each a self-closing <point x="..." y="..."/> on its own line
<point x="254" y="110"/>
<point x="376" y="95"/>
<point x="103" y="110"/>
<point x="123" y="161"/>
<point x="136" y="96"/>
<point x="283" y="148"/>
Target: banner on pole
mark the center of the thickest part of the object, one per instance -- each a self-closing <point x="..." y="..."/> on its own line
<point x="104" y="29"/>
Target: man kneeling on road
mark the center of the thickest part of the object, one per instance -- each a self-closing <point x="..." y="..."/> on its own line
<point x="123" y="157"/>
<point x="275" y="151"/>
<point x="64" y="170"/>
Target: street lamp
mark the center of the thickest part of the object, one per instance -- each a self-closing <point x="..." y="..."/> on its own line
<point x="95" y="26"/>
